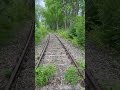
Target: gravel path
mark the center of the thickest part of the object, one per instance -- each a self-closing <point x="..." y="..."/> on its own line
<point x="55" y="54"/>
<point x="10" y="54"/>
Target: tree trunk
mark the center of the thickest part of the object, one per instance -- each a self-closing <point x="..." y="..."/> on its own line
<point x="64" y="11"/>
<point x="57" y="25"/>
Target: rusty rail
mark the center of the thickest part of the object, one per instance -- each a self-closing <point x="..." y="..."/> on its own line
<point x="43" y="51"/>
<point x="91" y="83"/>
<point x="16" y="68"/>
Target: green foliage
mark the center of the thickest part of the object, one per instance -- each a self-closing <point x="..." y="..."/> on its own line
<point x="44" y="74"/>
<point x="53" y="13"/>
<point x="13" y="13"/>
<point x="76" y="34"/>
<point x="63" y="33"/>
<point x="40" y="28"/>
<point x="106" y="18"/>
<point x="80" y="30"/>
<point x="75" y="41"/>
<point x="72" y="76"/>
<point x="59" y="14"/>
<point x="81" y="64"/>
<point x="40" y="33"/>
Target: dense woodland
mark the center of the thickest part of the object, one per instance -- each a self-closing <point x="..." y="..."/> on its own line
<point x="12" y="14"/>
<point x="63" y="16"/>
<point x="103" y="22"/>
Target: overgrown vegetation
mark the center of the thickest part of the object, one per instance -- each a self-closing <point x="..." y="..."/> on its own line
<point x="67" y="18"/>
<point x="81" y="64"/>
<point x="103" y="22"/>
<point x="44" y="73"/>
<point x="13" y="13"/>
<point x="72" y="76"/>
<point x="76" y="34"/>
<point x="40" y="33"/>
<point x="40" y="28"/>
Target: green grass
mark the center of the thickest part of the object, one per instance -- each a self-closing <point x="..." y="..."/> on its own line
<point x="44" y="74"/>
<point x="72" y="76"/>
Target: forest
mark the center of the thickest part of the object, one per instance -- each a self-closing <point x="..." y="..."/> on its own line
<point x="13" y="14"/>
<point x="66" y="17"/>
<point x="103" y="22"/>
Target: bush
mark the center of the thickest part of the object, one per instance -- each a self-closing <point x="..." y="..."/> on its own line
<point x="81" y="64"/>
<point x="108" y="22"/>
<point x="63" y="33"/>
<point x="80" y="30"/>
<point x="72" y="76"/>
<point x="13" y="14"/>
<point x="75" y="41"/>
<point x="44" y="73"/>
<point x="40" y="33"/>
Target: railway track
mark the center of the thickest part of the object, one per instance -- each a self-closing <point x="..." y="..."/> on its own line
<point x="47" y="56"/>
<point x="16" y="69"/>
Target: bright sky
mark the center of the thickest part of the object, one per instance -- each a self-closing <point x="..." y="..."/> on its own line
<point x="40" y="2"/>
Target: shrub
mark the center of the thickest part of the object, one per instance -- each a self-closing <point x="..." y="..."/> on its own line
<point x="72" y="76"/>
<point x="44" y="73"/>
<point x="81" y="64"/>
<point x="75" y="41"/>
<point x="63" y="33"/>
<point x="80" y="30"/>
<point x="76" y="33"/>
<point x="40" y="33"/>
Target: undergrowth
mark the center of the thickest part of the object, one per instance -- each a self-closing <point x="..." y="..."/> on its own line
<point x="40" y="33"/>
<point x="75" y="33"/>
<point x="44" y="74"/>
<point x="63" y="33"/>
<point x="72" y="76"/>
<point x="81" y="64"/>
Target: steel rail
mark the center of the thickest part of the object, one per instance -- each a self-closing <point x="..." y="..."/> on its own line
<point x="88" y="76"/>
<point x="17" y="66"/>
<point x="43" y="51"/>
<point x="91" y="83"/>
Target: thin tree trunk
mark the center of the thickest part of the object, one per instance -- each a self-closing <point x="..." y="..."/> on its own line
<point x="57" y="25"/>
<point x="64" y="11"/>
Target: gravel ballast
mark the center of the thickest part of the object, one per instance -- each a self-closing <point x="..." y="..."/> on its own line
<point x="9" y="54"/>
